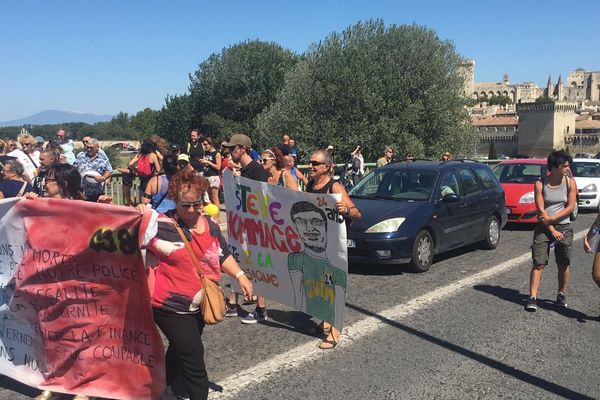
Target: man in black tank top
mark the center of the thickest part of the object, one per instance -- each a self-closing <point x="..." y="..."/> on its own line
<point x="195" y="151"/>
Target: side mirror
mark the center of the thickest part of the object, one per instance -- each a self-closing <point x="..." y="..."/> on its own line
<point x="450" y="198"/>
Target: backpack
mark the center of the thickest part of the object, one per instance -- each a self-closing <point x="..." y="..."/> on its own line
<point x="143" y="168"/>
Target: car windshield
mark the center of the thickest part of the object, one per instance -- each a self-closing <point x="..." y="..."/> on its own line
<point x="396" y="184"/>
<point x="586" y="169"/>
<point x="519" y="173"/>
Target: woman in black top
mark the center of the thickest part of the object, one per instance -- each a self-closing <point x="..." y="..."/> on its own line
<point x="320" y="181"/>
<point x="212" y="169"/>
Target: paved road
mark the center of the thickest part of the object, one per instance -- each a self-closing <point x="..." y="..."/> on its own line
<point x="457" y="331"/>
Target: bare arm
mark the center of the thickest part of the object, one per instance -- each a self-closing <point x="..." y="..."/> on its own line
<point x="156" y="161"/>
<point x="231" y="268"/>
<point x="133" y="160"/>
<point x="289" y="180"/>
<point x="152" y="187"/>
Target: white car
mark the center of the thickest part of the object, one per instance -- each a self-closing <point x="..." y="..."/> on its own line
<point x="586" y="172"/>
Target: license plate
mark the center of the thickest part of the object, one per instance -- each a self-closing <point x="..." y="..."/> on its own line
<point x="351" y="243"/>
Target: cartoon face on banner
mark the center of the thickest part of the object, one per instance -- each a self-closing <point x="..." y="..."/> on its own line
<point x="292" y="245"/>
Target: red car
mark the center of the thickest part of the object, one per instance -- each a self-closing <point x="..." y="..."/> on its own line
<point x="517" y="178"/>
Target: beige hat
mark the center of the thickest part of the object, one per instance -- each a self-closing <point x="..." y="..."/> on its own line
<point x="183" y="157"/>
<point x="239" y="139"/>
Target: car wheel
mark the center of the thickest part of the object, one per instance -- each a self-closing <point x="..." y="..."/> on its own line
<point x="422" y="253"/>
<point x="492" y="233"/>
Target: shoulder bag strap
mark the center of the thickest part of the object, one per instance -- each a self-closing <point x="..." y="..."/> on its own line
<point x="188" y="247"/>
<point x="31" y="159"/>
<point x="20" y="194"/>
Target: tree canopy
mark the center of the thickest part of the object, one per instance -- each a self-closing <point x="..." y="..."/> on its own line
<point x="374" y="86"/>
<point x="230" y="89"/>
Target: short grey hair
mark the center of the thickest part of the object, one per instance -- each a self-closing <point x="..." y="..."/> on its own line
<point x="325" y="156"/>
<point x="93" y="142"/>
<point x="16" y="167"/>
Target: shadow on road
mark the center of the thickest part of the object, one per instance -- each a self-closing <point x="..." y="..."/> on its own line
<point x="513" y="296"/>
<point x="490" y="362"/>
<point x="294" y="321"/>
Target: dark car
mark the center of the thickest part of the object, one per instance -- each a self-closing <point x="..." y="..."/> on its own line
<point x="414" y="210"/>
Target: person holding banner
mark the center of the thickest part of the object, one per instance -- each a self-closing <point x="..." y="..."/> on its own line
<point x="174" y="282"/>
<point x="63" y="181"/>
<point x="320" y="181"/>
<point x="240" y="146"/>
<point x="272" y="161"/>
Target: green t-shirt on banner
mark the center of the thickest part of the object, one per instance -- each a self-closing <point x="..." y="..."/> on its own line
<point x="319" y="280"/>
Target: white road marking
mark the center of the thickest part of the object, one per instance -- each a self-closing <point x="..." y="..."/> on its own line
<point x="309" y="352"/>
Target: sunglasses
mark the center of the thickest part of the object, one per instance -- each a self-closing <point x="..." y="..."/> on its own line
<point x="264" y="160"/>
<point x="315" y="163"/>
<point x="195" y="204"/>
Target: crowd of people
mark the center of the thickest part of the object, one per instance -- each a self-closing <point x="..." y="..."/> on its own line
<point x="178" y="182"/>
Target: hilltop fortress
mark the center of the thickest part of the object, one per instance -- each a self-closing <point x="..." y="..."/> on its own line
<point x="539" y="119"/>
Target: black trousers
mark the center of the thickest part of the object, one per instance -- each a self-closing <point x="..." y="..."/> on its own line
<point x="186" y="371"/>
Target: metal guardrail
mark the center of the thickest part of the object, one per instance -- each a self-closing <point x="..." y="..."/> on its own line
<point x="114" y="187"/>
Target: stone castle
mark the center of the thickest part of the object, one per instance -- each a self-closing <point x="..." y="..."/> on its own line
<point x="564" y="116"/>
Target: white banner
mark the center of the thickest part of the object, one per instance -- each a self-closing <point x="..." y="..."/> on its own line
<point x="292" y="245"/>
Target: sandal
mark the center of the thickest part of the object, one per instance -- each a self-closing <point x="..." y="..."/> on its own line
<point x="329" y="344"/>
<point x="326" y="331"/>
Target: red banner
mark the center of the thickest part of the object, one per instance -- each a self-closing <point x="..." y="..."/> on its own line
<point x="76" y="306"/>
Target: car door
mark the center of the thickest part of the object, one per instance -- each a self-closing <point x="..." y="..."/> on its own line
<point x="451" y="218"/>
<point x="476" y="201"/>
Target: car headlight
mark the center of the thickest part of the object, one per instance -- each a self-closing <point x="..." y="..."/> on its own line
<point x="527" y="198"/>
<point x="589" y="188"/>
<point x="389" y="225"/>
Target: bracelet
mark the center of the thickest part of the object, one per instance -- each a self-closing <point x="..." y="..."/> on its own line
<point x="237" y="276"/>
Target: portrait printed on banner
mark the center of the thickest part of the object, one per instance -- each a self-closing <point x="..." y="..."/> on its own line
<point x="319" y="287"/>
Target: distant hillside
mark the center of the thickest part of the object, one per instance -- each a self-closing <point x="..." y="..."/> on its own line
<point x="52" y="117"/>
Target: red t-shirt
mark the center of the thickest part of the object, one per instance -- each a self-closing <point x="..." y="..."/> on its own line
<point x="177" y="283"/>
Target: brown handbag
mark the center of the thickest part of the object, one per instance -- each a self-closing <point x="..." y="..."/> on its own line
<point x="212" y="302"/>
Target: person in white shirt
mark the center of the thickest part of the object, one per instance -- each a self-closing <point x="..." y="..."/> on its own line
<point x="26" y="155"/>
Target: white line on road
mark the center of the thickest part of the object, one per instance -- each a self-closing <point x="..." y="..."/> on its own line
<point x="309" y="352"/>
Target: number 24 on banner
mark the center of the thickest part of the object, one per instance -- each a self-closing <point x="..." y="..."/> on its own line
<point x="112" y="241"/>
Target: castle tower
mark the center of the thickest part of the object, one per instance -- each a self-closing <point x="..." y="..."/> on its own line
<point x="467" y="70"/>
<point x="560" y="90"/>
<point x="543" y="127"/>
<point x="549" y="92"/>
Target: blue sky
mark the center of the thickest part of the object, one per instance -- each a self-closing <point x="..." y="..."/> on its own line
<point x="109" y="56"/>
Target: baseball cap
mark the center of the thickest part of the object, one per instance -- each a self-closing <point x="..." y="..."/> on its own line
<point x="330" y="147"/>
<point x="39" y="139"/>
<point x="239" y="139"/>
<point x="183" y="157"/>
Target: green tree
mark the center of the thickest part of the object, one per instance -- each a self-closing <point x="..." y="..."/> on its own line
<point x="229" y="89"/>
<point x="493" y="154"/>
<point x="143" y="124"/>
<point x="499" y="100"/>
<point x="174" y="121"/>
<point x="374" y="85"/>
<point x="543" y="99"/>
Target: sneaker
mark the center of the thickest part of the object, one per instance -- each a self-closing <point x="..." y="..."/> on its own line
<point x="231" y="310"/>
<point x="255" y="316"/>
<point x="531" y="304"/>
<point x="561" y="300"/>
